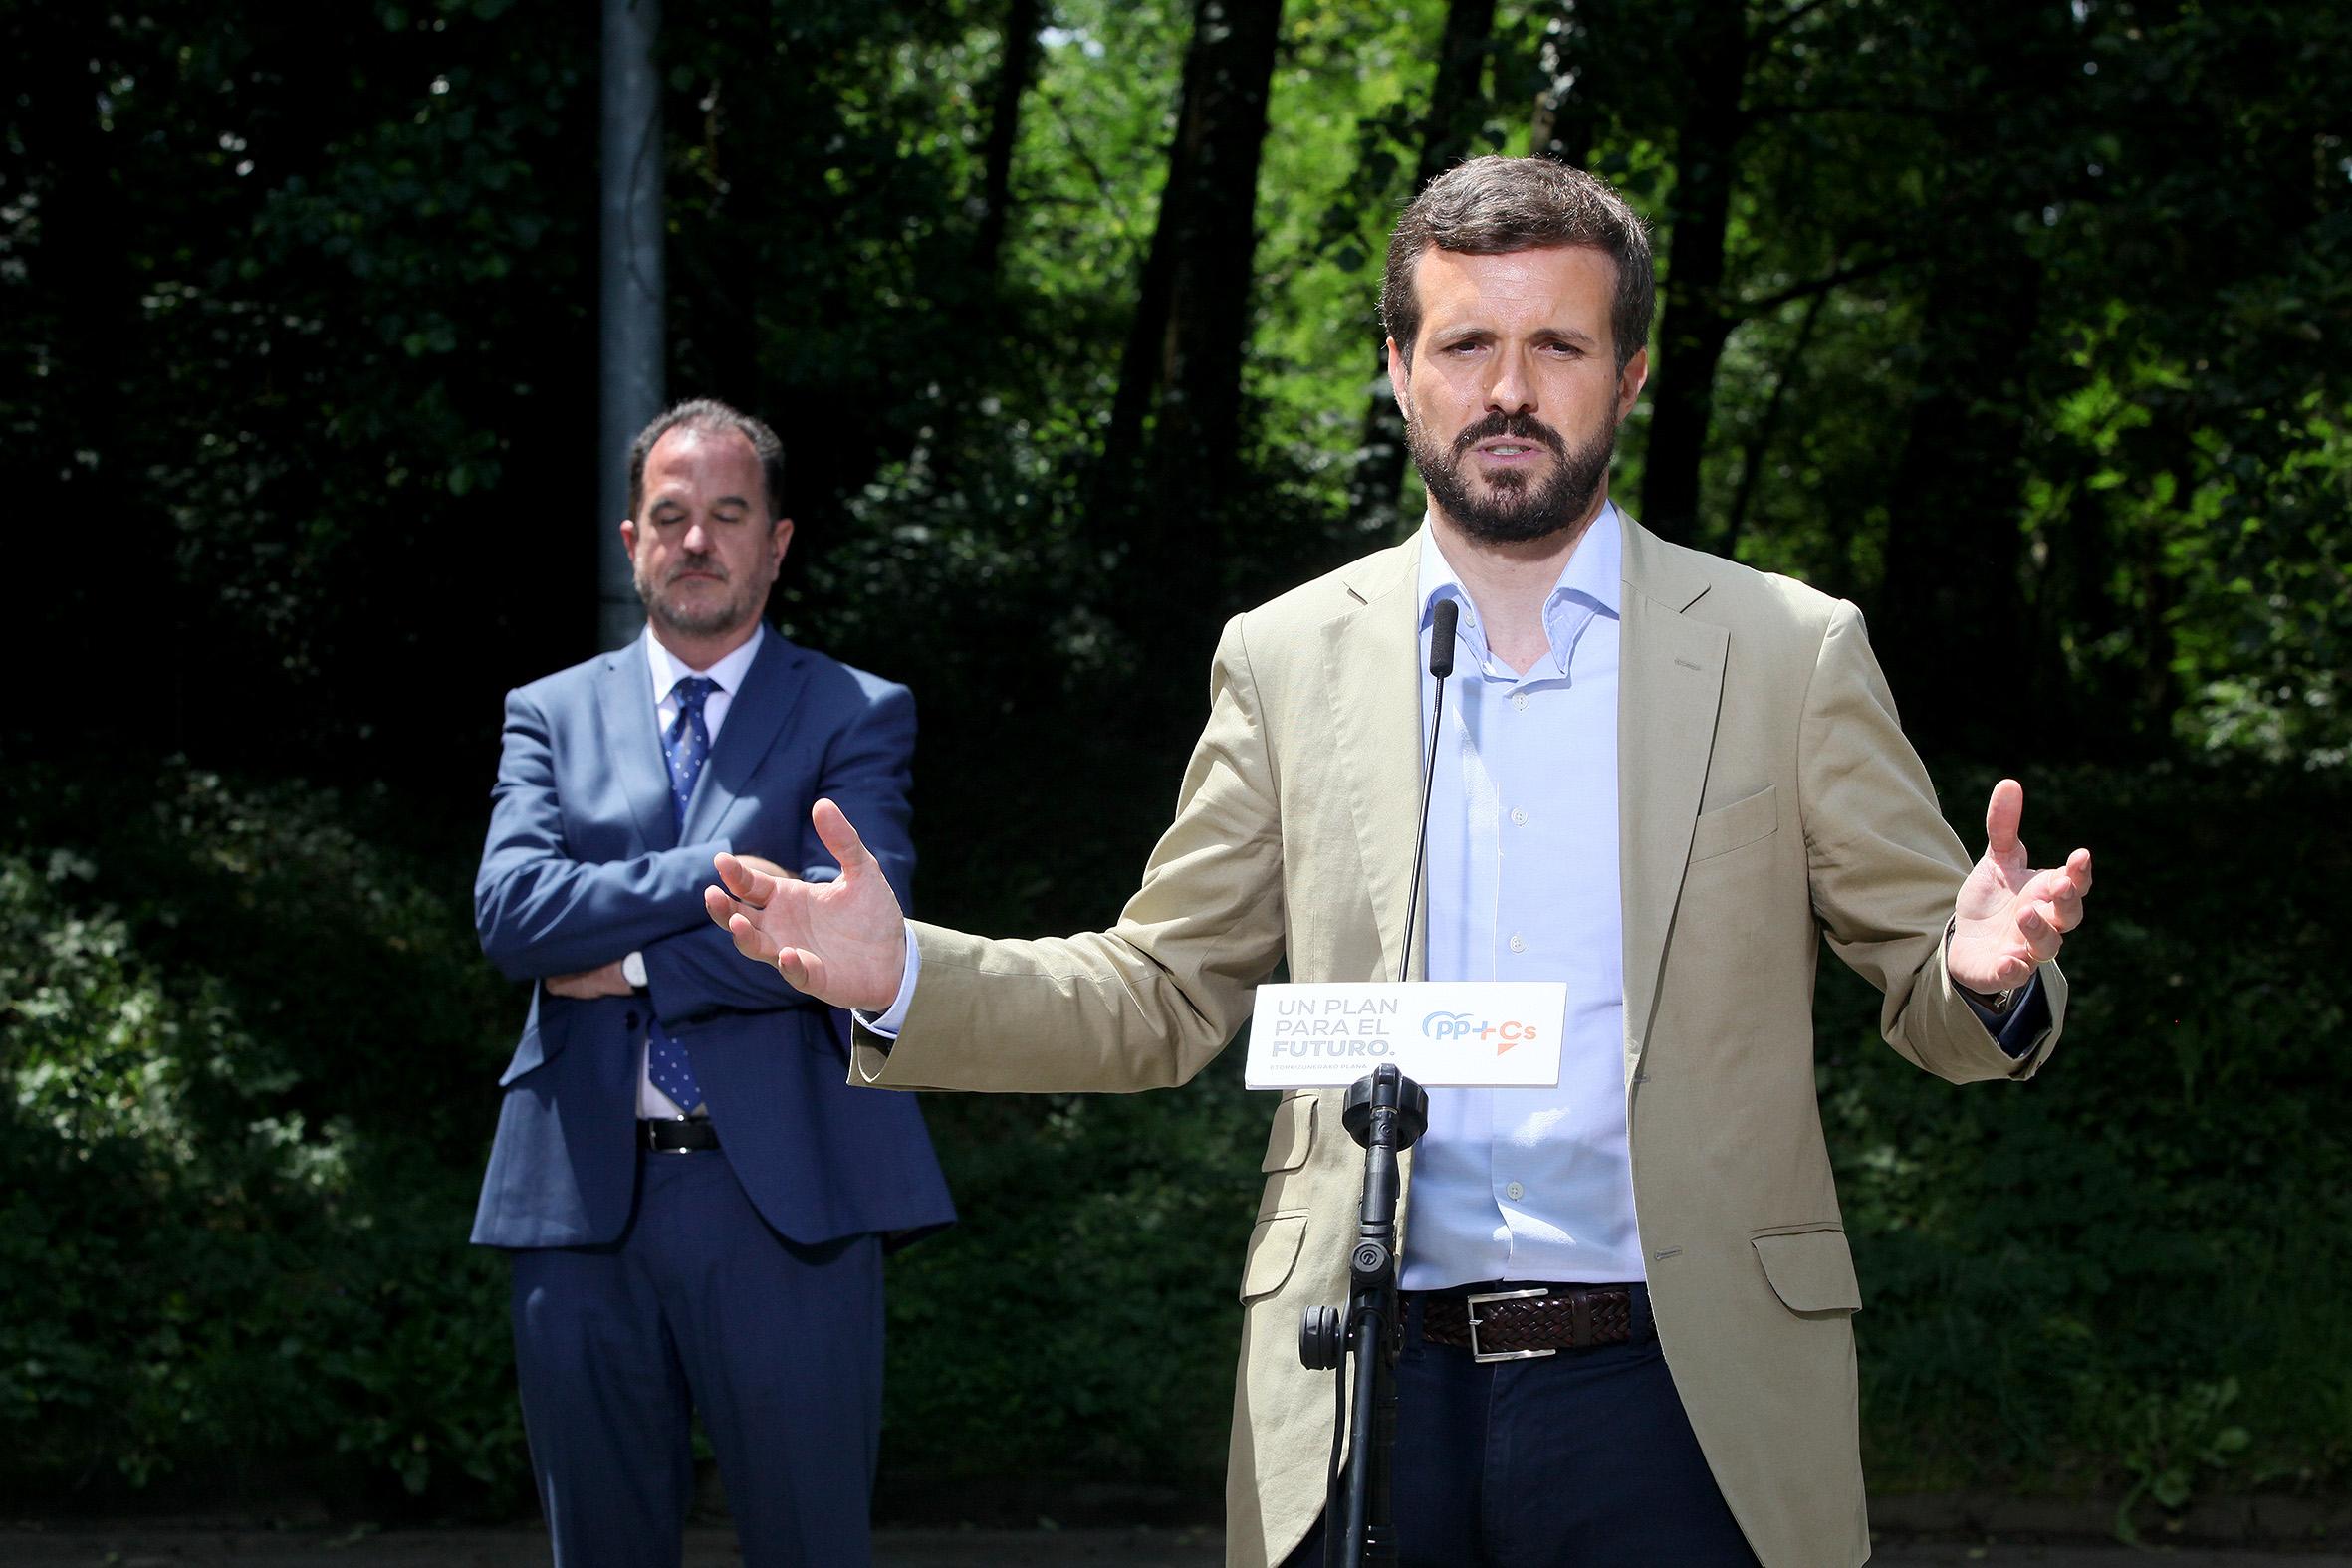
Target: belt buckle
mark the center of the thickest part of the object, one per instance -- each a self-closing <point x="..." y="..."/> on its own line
<point x="652" y="1147"/>
<point x="1470" y="1304"/>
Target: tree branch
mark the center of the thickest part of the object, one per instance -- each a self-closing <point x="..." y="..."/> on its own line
<point x="1781" y="24"/>
<point x="1889" y="110"/>
<point x="1835" y="278"/>
<point x="1086" y="160"/>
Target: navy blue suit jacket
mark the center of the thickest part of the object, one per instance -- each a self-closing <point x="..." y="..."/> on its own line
<point x="583" y="866"/>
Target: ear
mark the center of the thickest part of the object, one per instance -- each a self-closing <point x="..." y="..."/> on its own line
<point x="1630" y="381"/>
<point x="779" y="540"/>
<point x="1399" y="381"/>
<point x="629" y="538"/>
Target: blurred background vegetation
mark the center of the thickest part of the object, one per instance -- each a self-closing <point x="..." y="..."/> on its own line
<point x="2023" y="325"/>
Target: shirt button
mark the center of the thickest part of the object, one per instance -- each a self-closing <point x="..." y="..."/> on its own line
<point x="1519" y="944"/>
<point x="1514" y="1191"/>
<point x="1519" y="700"/>
<point x="1519" y="818"/>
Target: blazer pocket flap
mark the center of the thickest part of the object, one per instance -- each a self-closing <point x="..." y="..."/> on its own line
<point x="530" y="1051"/>
<point x="1812" y="1270"/>
<point x="1293" y="1135"/>
<point x="1736" y="825"/>
<point x="1274" y="1251"/>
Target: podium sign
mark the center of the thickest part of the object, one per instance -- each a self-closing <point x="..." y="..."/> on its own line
<point x="1487" y="1034"/>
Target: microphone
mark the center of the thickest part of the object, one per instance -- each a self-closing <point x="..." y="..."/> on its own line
<point x="1441" y="665"/>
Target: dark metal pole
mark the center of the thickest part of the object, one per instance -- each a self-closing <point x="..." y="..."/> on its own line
<point x="630" y="301"/>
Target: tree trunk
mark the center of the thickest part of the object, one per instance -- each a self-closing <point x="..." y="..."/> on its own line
<point x="1694" y="321"/>
<point x="1760" y="444"/>
<point x="1957" y="661"/>
<point x="1023" y="18"/>
<point x="1561" y="126"/>
<point x="1457" y="105"/>
<point x="80" y="460"/>
<point x="1183" y="365"/>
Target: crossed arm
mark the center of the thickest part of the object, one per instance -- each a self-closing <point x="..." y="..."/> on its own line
<point x="569" y="923"/>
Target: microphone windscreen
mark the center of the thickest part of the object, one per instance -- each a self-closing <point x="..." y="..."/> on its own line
<point x="1441" y="637"/>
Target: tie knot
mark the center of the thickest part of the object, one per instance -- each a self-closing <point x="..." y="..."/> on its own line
<point x="693" y="691"/>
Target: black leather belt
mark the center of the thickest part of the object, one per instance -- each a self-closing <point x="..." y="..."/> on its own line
<point x="677" y="1134"/>
<point x="1537" y="1320"/>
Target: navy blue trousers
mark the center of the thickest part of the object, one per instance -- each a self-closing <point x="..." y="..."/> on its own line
<point x="701" y="1307"/>
<point x="1580" y="1459"/>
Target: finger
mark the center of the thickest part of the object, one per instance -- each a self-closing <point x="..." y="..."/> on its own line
<point x="801" y="970"/>
<point x="750" y="939"/>
<point x="747" y="885"/>
<point x="2041" y="938"/>
<point x="720" y="905"/>
<point x="2012" y="973"/>
<point x="2063" y="913"/>
<point x="2078" y="870"/>
<point x="2002" y="813"/>
<point x="840" y="840"/>
<point x="2056" y="895"/>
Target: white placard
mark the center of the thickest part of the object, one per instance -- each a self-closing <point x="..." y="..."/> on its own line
<point x="1499" y="1033"/>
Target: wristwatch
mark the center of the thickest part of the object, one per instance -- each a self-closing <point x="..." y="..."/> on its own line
<point x="2000" y="1001"/>
<point x="632" y="969"/>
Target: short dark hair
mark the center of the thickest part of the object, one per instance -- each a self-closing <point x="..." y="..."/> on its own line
<point x="1492" y="206"/>
<point x="711" y="417"/>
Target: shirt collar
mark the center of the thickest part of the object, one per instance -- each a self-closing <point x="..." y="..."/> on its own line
<point x="670" y="669"/>
<point x="1592" y="579"/>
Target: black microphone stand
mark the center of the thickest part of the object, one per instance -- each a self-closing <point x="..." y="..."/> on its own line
<point x="1385" y="1112"/>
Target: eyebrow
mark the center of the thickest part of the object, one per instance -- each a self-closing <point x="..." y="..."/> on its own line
<point x="1469" y="332"/>
<point x="675" y="504"/>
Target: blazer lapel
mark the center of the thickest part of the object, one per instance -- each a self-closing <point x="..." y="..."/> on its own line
<point x="1670" y="686"/>
<point x="1372" y="671"/>
<point x="624" y="692"/>
<point x="755" y="719"/>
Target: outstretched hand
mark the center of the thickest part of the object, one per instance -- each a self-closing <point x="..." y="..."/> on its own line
<point x="2010" y="917"/>
<point x="841" y="942"/>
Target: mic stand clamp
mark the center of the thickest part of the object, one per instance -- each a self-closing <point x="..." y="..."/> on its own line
<point x="1386" y="1112"/>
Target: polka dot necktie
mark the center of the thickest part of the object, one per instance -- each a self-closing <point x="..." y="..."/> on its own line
<point x="686" y="744"/>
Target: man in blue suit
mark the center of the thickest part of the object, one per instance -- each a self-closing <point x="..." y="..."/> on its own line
<point x="695" y="1201"/>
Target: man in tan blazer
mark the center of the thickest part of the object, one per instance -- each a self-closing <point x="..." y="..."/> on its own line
<point x="1764" y="799"/>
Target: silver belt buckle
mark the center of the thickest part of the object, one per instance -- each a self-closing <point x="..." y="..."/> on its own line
<point x="1471" y="1305"/>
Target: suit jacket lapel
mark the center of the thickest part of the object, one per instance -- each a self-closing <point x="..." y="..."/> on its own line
<point x="1371" y="670"/>
<point x="625" y="691"/>
<point x="1670" y="685"/>
<point x="756" y="717"/>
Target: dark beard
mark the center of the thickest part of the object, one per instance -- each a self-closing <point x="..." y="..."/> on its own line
<point x="1510" y="513"/>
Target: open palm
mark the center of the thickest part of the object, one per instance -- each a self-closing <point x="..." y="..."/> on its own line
<point x="841" y="942"/>
<point x="2010" y="917"/>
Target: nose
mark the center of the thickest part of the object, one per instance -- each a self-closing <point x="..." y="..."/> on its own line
<point x="698" y="537"/>
<point x="1513" y="390"/>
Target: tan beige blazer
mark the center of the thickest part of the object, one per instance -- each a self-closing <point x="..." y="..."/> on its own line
<point x="1767" y="798"/>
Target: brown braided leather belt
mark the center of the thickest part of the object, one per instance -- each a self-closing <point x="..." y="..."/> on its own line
<point x="1512" y="1325"/>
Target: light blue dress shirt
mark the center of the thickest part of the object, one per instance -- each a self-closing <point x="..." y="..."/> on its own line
<point x="1529" y="1183"/>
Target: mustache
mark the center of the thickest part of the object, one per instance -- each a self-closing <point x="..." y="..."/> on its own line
<point x="707" y="565"/>
<point x="1519" y="427"/>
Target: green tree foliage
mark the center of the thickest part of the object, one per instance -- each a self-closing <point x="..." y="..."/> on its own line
<point x="234" y="1194"/>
